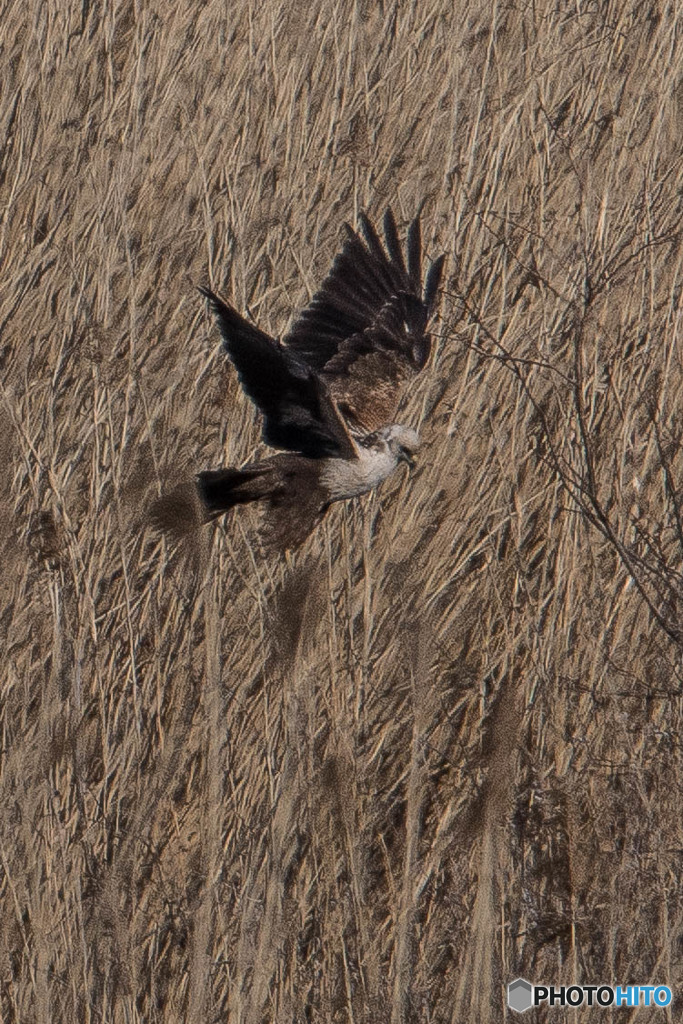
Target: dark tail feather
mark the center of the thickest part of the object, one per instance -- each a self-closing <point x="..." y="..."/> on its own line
<point x="194" y="502"/>
<point x="222" y="489"/>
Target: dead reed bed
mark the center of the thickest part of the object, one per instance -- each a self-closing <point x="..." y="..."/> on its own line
<point x="441" y="746"/>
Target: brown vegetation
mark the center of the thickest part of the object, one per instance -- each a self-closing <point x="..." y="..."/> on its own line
<point x="440" y="747"/>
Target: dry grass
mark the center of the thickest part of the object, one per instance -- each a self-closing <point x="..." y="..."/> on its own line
<point x="441" y="747"/>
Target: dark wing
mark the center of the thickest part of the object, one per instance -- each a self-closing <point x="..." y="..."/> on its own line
<point x="299" y="414"/>
<point x="364" y="331"/>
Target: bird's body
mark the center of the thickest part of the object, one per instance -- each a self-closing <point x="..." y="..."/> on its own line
<point x="348" y="478"/>
<point x="329" y="390"/>
<point x="376" y="460"/>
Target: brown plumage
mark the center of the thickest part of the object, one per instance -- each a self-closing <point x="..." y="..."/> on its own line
<point x="330" y="390"/>
<point x="287" y="485"/>
<point x="364" y="330"/>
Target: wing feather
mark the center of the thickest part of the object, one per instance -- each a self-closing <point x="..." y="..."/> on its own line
<point x="393" y="243"/>
<point x="415" y="255"/>
<point x="389" y="277"/>
<point x="299" y="413"/>
<point x="364" y="331"/>
<point x="433" y="281"/>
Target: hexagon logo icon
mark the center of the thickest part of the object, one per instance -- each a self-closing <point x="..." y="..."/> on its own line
<point x="520" y="995"/>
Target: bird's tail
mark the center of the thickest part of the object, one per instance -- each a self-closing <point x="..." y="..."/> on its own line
<point x="222" y="489"/>
<point x="193" y="502"/>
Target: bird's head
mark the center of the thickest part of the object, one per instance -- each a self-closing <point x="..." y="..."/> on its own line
<point x="402" y="442"/>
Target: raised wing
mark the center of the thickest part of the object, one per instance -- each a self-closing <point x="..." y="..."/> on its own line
<point x="364" y="331"/>
<point x="299" y="414"/>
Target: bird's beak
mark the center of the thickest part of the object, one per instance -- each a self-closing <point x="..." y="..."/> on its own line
<point x="406" y="456"/>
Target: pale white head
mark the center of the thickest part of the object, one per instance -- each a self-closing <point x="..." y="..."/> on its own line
<point x="401" y="441"/>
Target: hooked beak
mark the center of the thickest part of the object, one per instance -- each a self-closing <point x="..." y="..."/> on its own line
<point x="405" y="456"/>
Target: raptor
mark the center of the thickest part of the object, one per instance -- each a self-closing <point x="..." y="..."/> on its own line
<point x="330" y="389"/>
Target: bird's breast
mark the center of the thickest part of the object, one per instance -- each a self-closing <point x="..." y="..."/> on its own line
<point x="345" y="478"/>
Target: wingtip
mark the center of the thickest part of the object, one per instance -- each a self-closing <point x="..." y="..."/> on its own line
<point x="371" y="237"/>
<point x="415" y="254"/>
<point x="434" y="275"/>
<point x="208" y="294"/>
<point x="217" y="306"/>
<point x="393" y="243"/>
<point x="389" y="222"/>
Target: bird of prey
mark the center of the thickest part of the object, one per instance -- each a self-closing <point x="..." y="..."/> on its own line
<point x="329" y="390"/>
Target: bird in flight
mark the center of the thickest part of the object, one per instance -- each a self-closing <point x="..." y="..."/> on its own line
<point x="329" y="390"/>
